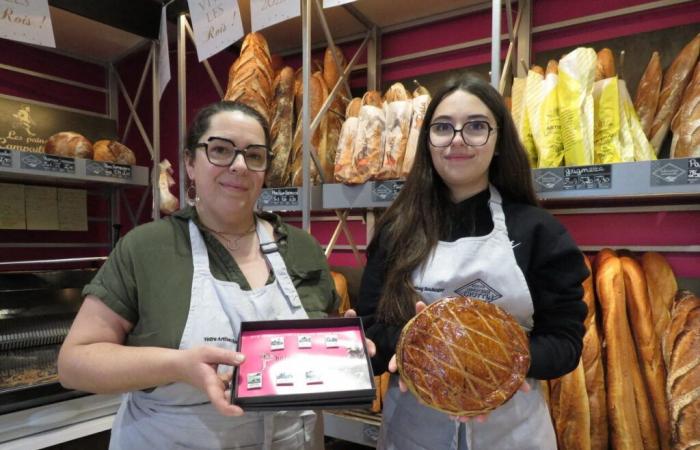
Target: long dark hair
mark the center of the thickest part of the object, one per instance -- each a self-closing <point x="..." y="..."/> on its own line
<point x="412" y="226"/>
<point x="200" y="123"/>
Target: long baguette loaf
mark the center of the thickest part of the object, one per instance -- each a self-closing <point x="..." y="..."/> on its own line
<point x="282" y="128"/>
<point x="662" y="287"/>
<point x="570" y="413"/>
<point x="592" y="359"/>
<point x="676" y="79"/>
<point x="683" y="383"/>
<point x="251" y="76"/>
<point x="647" y="97"/>
<point x="336" y="112"/>
<point x="625" y="432"/>
<point x="686" y="122"/>
<point x="648" y="347"/>
<point x="645" y="416"/>
<point x="318" y="95"/>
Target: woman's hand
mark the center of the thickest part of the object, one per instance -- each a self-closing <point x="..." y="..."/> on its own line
<point x="481" y="418"/>
<point x="198" y="367"/>
<point x="371" y="348"/>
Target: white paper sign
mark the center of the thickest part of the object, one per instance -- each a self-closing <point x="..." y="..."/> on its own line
<point x="216" y="24"/>
<point x="265" y="13"/>
<point x="163" y="55"/>
<point x="26" y="21"/>
<point x="331" y="3"/>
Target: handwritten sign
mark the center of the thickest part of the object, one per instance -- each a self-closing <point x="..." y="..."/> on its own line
<point x="108" y="170"/>
<point x="216" y="23"/>
<point x="163" y="55"/>
<point x="26" y="21"/>
<point x="265" y="13"/>
<point x="331" y="3"/>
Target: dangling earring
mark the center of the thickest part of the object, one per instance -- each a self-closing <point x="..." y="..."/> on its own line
<point x="192" y="196"/>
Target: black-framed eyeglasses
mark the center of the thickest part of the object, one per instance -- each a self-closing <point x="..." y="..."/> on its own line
<point x="475" y="133"/>
<point x="222" y="152"/>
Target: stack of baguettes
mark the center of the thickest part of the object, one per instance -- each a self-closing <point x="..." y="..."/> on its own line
<point x="638" y="382"/>
<point x="672" y="102"/>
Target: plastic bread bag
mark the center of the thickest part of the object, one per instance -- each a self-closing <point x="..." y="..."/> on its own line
<point x="575" y="91"/>
<point x="606" y="143"/>
<point x="168" y="202"/>
<point x="643" y="150"/>
<point x="343" y="170"/>
<point x="542" y="107"/>
<point x="421" y="99"/>
<point x="522" y="123"/>
<point x="369" y="140"/>
<point x="398" y="108"/>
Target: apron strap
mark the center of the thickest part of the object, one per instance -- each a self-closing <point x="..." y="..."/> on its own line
<point x="200" y="256"/>
<point x="496" y="204"/>
<point x="270" y="250"/>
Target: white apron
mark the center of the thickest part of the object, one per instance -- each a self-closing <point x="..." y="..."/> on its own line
<point x="483" y="267"/>
<point x="180" y="416"/>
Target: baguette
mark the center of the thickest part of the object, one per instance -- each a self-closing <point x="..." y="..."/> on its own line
<point x="251" y="76"/>
<point x="683" y="383"/>
<point x="343" y="170"/>
<point x="686" y="123"/>
<point x="282" y="128"/>
<point x="317" y="97"/>
<point x="552" y="67"/>
<point x="593" y="362"/>
<point x="648" y="347"/>
<point x="369" y="141"/>
<point x="648" y="90"/>
<point x="675" y="80"/>
<point x="398" y="109"/>
<point x="570" y="413"/>
<point x="605" y="68"/>
<point x="625" y="433"/>
<point x="420" y="90"/>
<point x="537" y="69"/>
<point x="662" y="287"/>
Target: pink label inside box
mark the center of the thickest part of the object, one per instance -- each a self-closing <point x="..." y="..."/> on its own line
<point x="302" y="361"/>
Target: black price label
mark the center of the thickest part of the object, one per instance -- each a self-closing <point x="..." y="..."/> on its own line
<point x="5" y="158"/>
<point x="573" y="178"/>
<point x="47" y="163"/>
<point x="289" y="196"/>
<point x="108" y="170"/>
<point x="386" y="191"/>
<point x="694" y="171"/>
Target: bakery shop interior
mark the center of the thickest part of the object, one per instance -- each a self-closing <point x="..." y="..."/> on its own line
<point x="466" y="224"/>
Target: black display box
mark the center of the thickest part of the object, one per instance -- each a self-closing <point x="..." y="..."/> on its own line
<point x="303" y="364"/>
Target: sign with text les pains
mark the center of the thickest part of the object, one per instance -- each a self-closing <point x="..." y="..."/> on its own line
<point x="216" y="25"/>
<point x="26" y="21"/>
<point x="265" y="13"/>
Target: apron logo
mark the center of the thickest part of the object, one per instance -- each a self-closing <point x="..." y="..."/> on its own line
<point x="479" y="289"/>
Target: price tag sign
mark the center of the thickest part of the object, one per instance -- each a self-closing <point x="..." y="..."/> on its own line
<point x="5" y="158"/>
<point x="386" y="191"/>
<point x="289" y="196"/>
<point x="47" y="163"/>
<point x="674" y="172"/>
<point x="108" y="170"/>
<point x="573" y="178"/>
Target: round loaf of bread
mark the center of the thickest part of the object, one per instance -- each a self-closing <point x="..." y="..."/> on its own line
<point x="113" y="151"/>
<point x="69" y="143"/>
<point x="463" y="356"/>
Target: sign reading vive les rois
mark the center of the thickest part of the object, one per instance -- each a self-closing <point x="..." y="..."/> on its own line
<point x="26" y="126"/>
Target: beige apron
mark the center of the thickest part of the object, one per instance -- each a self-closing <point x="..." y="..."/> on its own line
<point x="180" y="416"/>
<point x="483" y="267"/>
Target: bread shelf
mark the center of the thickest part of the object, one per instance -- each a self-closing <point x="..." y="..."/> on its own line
<point x="666" y="180"/>
<point x="26" y="166"/>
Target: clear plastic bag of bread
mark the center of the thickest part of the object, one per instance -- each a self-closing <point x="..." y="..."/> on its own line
<point x="520" y="118"/>
<point x="631" y="131"/>
<point x="168" y="202"/>
<point x="575" y="92"/>
<point x="606" y="113"/>
<point x="542" y="105"/>
<point x="343" y="170"/>
<point x="369" y="141"/>
<point x="686" y="123"/>
<point x="114" y="152"/>
<point x="421" y="100"/>
<point x="69" y="144"/>
<point x="463" y="356"/>
<point x="398" y="109"/>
